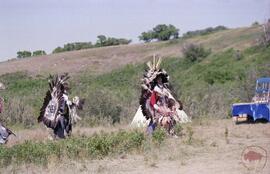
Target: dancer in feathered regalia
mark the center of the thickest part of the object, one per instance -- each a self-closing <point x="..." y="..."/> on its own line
<point x="4" y="131"/>
<point x="58" y="112"/>
<point x="157" y="104"/>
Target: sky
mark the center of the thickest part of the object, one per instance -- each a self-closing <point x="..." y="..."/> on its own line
<point x="46" y="24"/>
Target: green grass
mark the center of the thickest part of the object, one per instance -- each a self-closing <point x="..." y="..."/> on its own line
<point x="76" y="148"/>
<point x="207" y="88"/>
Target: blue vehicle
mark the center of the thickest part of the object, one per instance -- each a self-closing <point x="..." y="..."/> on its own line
<point x="259" y="108"/>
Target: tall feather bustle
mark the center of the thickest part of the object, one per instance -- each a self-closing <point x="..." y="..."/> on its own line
<point x="149" y="82"/>
<point x="55" y="84"/>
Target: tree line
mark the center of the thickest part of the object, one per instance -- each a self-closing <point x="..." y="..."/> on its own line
<point x="160" y="32"/>
<point x="102" y="41"/>
<point x="23" y="54"/>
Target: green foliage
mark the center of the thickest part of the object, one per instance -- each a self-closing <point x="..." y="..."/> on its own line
<point x="23" y="98"/>
<point x="73" y="46"/>
<point x="214" y="83"/>
<point x="39" y="53"/>
<point x="159" y="135"/>
<point x="160" y="32"/>
<point x="23" y="54"/>
<point x="95" y="147"/>
<point x="147" y="36"/>
<point x="102" y="106"/>
<point x="164" y="32"/>
<point x="101" y="42"/>
<point x="195" y="53"/>
<point x="204" y="31"/>
<point x="178" y="129"/>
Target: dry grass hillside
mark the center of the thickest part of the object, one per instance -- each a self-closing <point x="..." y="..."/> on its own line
<point x="99" y="60"/>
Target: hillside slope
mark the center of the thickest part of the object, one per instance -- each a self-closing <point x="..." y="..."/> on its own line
<point x="207" y="88"/>
<point x="99" y="60"/>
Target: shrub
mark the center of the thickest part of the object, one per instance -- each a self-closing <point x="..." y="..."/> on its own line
<point x="158" y="135"/>
<point x="204" y="31"/>
<point x="97" y="146"/>
<point x="178" y="129"/>
<point x="217" y="76"/>
<point x="195" y="53"/>
<point x="102" y="107"/>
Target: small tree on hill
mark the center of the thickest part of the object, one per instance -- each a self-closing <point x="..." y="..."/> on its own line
<point x="160" y="32"/>
<point x="147" y="36"/>
<point x="58" y="50"/>
<point x="101" y="40"/>
<point x="23" y="54"/>
<point x="39" y="53"/>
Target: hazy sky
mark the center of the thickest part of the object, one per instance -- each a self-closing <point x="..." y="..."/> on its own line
<point x="46" y="24"/>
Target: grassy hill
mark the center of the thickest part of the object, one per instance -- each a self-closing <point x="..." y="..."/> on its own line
<point x="109" y="77"/>
<point x="105" y="59"/>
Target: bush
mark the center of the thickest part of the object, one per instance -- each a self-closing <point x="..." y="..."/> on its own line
<point x="16" y="111"/>
<point x="195" y="53"/>
<point x="217" y="76"/>
<point x="204" y="31"/>
<point x="101" y="42"/>
<point x="95" y="147"/>
<point x="159" y="135"/>
<point x="102" y="107"/>
<point x="23" y="98"/>
<point x="110" y="41"/>
<point x="178" y="129"/>
<point x="73" y="46"/>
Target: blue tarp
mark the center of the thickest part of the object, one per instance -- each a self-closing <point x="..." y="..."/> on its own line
<point x="255" y="110"/>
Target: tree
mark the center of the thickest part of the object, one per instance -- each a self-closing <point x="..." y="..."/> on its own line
<point x="109" y="41"/>
<point x="146" y="36"/>
<point x="161" y="32"/>
<point x="101" y="40"/>
<point x="23" y="54"/>
<point x="39" y="53"/>
<point x="123" y="41"/>
<point x="174" y="31"/>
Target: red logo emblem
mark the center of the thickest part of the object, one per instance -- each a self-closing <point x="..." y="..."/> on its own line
<point x="254" y="158"/>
